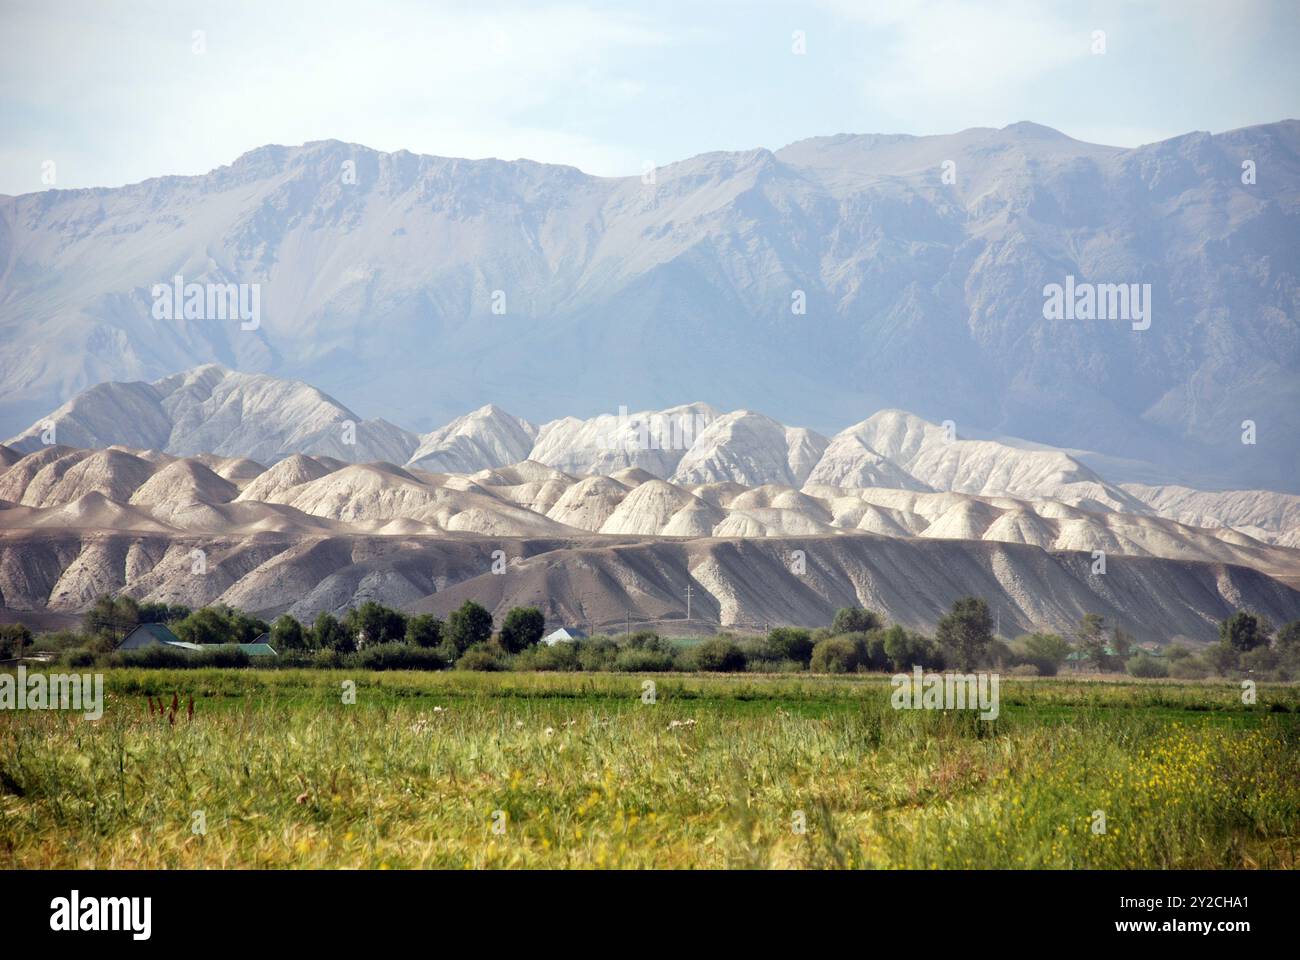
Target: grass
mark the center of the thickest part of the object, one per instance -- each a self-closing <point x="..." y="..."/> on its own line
<point x="574" y="770"/>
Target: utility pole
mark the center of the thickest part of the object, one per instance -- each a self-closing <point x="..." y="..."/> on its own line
<point x="628" y="629"/>
<point x="688" y="602"/>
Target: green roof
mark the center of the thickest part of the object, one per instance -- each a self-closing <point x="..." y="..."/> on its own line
<point x="256" y="649"/>
<point x="158" y="631"/>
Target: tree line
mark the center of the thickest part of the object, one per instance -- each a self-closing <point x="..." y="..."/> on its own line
<point x="372" y="635"/>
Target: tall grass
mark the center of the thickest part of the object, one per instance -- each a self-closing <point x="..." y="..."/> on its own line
<point x="546" y="770"/>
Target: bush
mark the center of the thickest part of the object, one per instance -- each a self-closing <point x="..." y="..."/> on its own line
<point x="1146" y="667"/>
<point x="855" y="620"/>
<point x="79" y="658"/>
<point x="170" y="658"/>
<point x="397" y="656"/>
<point x="788" y="643"/>
<point x="1188" y="668"/>
<point x="480" y="658"/>
<point x="547" y="657"/>
<point x="424" y="630"/>
<point x="1025" y="670"/>
<point x="641" y="660"/>
<point x="903" y="649"/>
<point x="598" y="653"/>
<point x="843" y="654"/>
<point x="775" y="666"/>
<point x="716" y="655"/>
<point x="1046" y="651"/>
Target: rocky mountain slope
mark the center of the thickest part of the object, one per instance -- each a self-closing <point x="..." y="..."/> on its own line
<point x="600" y="583"/>
<point x="847" y="272"/>
<point x="314" y="532"/>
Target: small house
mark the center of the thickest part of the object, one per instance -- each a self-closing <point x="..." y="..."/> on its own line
<point x="153" y="635"/>
<point x="564" y="635"/>
<point x="157" y="635"/>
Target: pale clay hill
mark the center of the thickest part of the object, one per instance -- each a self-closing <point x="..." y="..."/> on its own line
<point x="425" y="286"/>
<point x="314" y="533"/>
<point x="215" y="412"/>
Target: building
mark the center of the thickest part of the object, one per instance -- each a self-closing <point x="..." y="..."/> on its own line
<point x="564" y="635"/>
<point x="157" y="635"/>
<point x="153" y="635"/>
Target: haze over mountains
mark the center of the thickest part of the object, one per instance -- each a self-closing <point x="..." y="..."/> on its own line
<point x="921" y="294"/>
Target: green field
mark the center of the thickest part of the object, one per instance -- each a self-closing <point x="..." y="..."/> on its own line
<point x="460" y="769"/>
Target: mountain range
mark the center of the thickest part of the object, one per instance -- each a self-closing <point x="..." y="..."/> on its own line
<point x="838" y="274"/>
<point x="606" y="518"/>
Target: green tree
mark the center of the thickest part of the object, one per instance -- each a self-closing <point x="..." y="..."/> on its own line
<point x="424" y="630"/>
<point x="844" y="653"/>
<point x="288" y="634"/>
<point x="788" y="643"/>
<point x="111" y="618"/>
<point x="1122" y="643"/>
<point x="1243" y="631"/>
<point x="329" y="634"/>
<point x="966" y="631"/>
<point x="1046" y="651"/>
<point x="376" y="623"/>
<point x="1092" y="640"/>
<point x="854" y="620"/>
<point x="522" y="627"/>
<point x="468" y="625"/>
<point x="205" y="625"/>
<point x="904" y="649"/>
<point x="15" y="639"/>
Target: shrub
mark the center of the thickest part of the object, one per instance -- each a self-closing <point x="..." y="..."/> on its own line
<point x="1146" y="666"/>
<point x="1025" y="670"/>
<point x="775" y="666"/>
<point x="1188" y="668"/>
<point x="855" y="620"/>
<point x="788" y="643"/>
<point x="597" y="653"/>
<point x="903" y="650"/>
<point x="1046" y="651"/>
<point x="641" y="660"/>
<point x="717" y="655"/>
<point x="842" y="654"/>
<point x="547" y="657"/>
<point x="424" y="630"/>
<point x="397" y="656"/>
<point x="218" y="655"/>
<point x="79" y="658"/>
<point x="480" y="658"/>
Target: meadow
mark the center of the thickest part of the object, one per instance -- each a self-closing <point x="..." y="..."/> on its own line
<point x="486" y="770"/>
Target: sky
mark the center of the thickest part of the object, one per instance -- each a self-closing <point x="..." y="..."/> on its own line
<point x="102" y="94"/>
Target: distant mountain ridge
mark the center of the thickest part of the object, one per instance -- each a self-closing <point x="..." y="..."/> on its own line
<point x="255" y="417"/>
<point x="432" y="285"/>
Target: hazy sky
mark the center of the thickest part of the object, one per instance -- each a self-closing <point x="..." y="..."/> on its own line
<point x="114" y="92"/>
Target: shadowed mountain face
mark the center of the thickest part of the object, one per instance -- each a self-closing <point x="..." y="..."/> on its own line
<point x="422" y="287"/>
